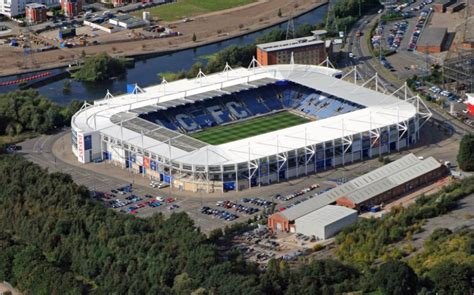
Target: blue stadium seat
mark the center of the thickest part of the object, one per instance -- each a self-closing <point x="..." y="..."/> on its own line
<point x="205" y="120"/>
<point x="250" y="100"/>
<point x="248" y="103"/>
<point x="160" y="119"/>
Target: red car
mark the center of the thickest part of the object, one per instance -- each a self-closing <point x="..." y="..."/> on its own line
<point x="169" y="200"/>
<point x="141" y="205"/>
<point x="282" y="209"/>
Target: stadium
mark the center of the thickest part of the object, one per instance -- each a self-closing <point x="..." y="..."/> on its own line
<point x="245" y="127"/>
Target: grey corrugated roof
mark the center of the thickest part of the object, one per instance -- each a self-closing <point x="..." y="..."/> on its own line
<point x="368" y="185"/>
<point x="385" y="171"/>
<point x="394" y="180"/>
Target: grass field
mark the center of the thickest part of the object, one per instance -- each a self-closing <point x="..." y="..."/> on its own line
<point x="222" y="134"/>
<point x="189" y="8"/>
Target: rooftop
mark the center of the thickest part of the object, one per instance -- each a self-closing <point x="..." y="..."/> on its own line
<point x="292" y="43"/>
<point x="328" y="215"/>
<point x="35" y="5"/>
<point x="433" y="36"/>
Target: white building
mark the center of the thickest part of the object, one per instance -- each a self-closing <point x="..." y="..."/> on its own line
<point x="14" y="8"/>
<point x="326" y="222"/>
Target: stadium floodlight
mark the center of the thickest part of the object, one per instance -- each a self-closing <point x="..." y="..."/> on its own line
<point x="108" y="95"/>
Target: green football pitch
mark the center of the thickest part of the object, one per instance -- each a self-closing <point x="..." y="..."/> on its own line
<point x="222" y="134"/>
<point x="188" y="8"/>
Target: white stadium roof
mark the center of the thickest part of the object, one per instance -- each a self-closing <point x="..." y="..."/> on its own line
<point x="380" y="110"/>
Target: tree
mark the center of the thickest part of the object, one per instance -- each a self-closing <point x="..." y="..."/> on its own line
<point x="304" y="30"/>
<point x="66" y="87"/>
<point x="452" y="278"/>
<point x="465" y="156"/>
<point x="100" y="67"/>
<point x="279" y="12"/>
<point x="183" y="284"/>
<point x="194" y="37"/>
<point x="215" y="234"/>
<point x="396" y="278"/>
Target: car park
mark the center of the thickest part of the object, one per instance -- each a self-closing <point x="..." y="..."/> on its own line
<point x="133" y="198"/>
<point x="173" y="206"/>
<point x="237" y="207"/>
<point x="445" y="93"/>
<point x="153" y="204"/>
<point x="297" y="193"/>
<point x="222" y="214"/>
<point x="435" y="89"/>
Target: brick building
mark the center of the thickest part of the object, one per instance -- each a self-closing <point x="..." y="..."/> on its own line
<point x="376" y="187"/>
<point x="71" y="8"/>
<point x="441" y="5"/>
<point x="433" y="40"/>
<point x="306" y="50"/>
<point x="35" y="13"/>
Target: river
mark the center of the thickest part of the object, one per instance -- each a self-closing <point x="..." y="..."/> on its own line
<point x="146" y="72"/>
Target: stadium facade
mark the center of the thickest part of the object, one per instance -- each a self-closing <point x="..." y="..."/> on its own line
<point x="150" y="131"/>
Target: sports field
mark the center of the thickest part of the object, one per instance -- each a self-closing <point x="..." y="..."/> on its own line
<point x="188" y="8"/>
<point x="222" y="134"/>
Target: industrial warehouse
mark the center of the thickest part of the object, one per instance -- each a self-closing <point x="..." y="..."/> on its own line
<point x="372" y="189"/>
<point x="158" y="131"/>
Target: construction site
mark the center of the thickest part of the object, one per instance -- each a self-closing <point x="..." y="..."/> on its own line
<point x="121" y="35"/>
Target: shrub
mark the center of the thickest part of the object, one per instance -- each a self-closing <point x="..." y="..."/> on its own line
<point x="465" y="156"/>
<point x="99" y="68"/>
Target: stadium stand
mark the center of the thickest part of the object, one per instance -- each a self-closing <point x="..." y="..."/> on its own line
<point x="246" y="103"/>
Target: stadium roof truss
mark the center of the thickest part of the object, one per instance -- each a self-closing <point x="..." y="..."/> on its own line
<point x="116" y="118"/>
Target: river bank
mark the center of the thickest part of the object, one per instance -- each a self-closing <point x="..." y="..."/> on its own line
<point x="210" y="29"/>
<point x="148" y="71"/>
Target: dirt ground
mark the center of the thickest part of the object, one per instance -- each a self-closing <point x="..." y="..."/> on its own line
<point x="208" y="28"/>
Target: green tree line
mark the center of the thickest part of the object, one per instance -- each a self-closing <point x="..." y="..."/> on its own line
<point x="56" y="240"/>
<point x="100" y="67"/>
<point x="50" y="221"/>
<point x="343" y="14"/>
<point x="26" y="110"/>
